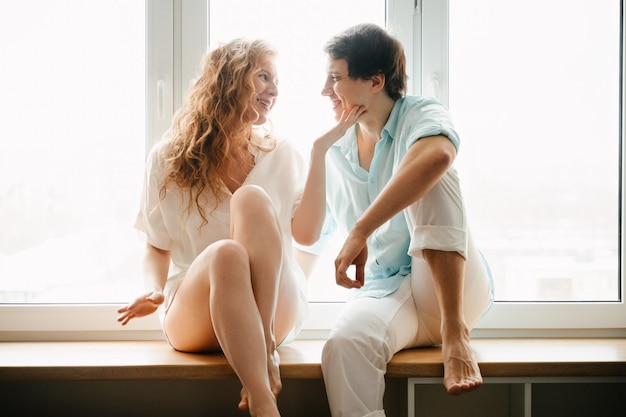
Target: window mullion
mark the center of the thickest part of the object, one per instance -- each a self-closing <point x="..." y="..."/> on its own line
<point x="194" y="41"/>
<point x="435" y="49"/>
<point x="403" y="20"/>
<point x="159" y="69"/>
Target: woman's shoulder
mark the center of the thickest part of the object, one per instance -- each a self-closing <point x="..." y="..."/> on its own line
<point x="282" y="148"/>
<point x="283" y="159"/>
<point x="155" y="157"/>
<point x="158" y="149"/>
<point x="285" y="144"/>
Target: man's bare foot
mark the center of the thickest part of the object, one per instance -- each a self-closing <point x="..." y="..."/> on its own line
<point x="461" y="372"/>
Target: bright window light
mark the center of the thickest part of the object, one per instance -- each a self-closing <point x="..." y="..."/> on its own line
<point x="535" y="93"/>
<point x="71" y="151"/>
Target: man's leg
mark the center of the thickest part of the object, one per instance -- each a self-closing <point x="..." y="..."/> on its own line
<point x="461" y="372"/>
<point x="441" y="240"/>
<point x="363" y="340"/>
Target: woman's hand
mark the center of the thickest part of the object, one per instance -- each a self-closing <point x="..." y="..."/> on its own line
<point x="347" y="119"/>
<point x="142" y="306"/>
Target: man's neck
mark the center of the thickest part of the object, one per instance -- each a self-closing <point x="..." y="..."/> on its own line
<point x="372" y="125"/>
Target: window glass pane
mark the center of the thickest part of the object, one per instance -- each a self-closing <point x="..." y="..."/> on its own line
<point x="534" y="91"/>
<point x="72" y="149"/>
<point x="299" y="31"/>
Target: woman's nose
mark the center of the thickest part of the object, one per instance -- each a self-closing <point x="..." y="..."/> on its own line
<point x="273" y="89"/>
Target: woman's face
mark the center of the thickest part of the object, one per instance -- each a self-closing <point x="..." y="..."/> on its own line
<point x="266" y="89"/>
<point x="343" y="91"/>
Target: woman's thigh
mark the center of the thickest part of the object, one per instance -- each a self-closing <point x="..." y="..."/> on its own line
<point x="290" y="306"/>
<point x="187" y="323"/>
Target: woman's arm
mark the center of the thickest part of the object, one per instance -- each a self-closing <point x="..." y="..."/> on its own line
<point x="156" y="265"/>
<point x="308" y="219"/>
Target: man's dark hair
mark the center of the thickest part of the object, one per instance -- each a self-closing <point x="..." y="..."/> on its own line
<point x="369" y="50"/>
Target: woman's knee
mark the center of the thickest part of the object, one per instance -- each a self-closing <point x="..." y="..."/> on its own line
<point x="223" y="256"/>
<point x="252" y="207"/>
<point x="249" y="195"/>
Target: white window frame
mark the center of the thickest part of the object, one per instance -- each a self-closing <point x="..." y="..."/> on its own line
<point x="521" y="318"/>
<point x="177" y="32"/>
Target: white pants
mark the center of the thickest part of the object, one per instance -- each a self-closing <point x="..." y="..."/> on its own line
<point x="371" y="330"/>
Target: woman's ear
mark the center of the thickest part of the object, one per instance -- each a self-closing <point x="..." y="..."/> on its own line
<point x="378" y="82"/>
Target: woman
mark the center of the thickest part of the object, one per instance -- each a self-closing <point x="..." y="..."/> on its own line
<point x="222" y="199"/>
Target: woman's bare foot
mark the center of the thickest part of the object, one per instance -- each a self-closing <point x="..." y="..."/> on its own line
<point x="276" y="385"/>
<point x="273" y="370"/>
<point x="243" y="403"/>
<point x="461" y="372"/>
<point x="266" y="408"/>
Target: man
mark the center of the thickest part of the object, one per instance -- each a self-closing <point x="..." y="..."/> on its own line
<point x="390" y="185"/>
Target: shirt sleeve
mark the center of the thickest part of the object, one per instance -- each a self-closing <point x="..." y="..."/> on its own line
<point x="150" y="219"/>
<point x="428" y="119"/>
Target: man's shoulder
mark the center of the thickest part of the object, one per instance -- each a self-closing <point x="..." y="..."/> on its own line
<point x="415" y="110"/>
<point x="407" y="103"/>
<point x="422" y="116"/>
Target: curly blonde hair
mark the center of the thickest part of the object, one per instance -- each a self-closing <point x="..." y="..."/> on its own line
<point x="214" y="128"/>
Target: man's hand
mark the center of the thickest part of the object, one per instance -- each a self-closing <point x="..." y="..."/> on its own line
<point x="353" y="252"/>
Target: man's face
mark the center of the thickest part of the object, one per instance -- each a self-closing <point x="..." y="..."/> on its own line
<point x="343" y="91"/>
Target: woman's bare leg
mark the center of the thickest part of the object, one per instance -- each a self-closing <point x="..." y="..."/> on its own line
<point x="214" y="308"/>
<point x="239" y="329"/>
<point x="461" y="371"/>
<point x="228" y="300"/>
<point x="255" y="227"/>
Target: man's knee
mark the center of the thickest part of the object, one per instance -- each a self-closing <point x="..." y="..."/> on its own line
<point x="354" y="344"/>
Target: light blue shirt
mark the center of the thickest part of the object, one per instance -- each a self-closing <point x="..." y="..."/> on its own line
<point x="351" y="189"/>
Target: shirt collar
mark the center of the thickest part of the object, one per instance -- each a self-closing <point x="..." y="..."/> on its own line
<point x="347" y="144"/>
<point x="392" y="122"/>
